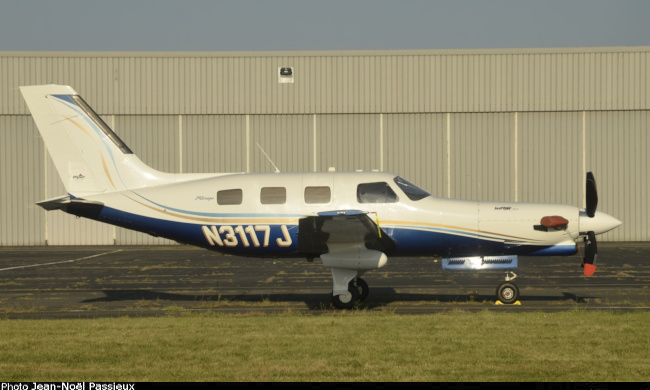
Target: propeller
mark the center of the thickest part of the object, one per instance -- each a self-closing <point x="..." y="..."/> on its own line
<point x="592" y="195"/>
<point x="591" y="248"/>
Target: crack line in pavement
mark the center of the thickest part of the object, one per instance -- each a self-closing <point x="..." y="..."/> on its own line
<point x="61" y="262"/>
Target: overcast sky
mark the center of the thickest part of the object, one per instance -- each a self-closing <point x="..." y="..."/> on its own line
<point x="202" y="25"/>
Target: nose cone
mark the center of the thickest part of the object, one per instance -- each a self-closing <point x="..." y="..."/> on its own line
<point x="599" y="224"/>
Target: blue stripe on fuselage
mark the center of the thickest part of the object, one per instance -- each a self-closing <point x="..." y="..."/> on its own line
<point x="193" y="234"/>
<point x="417" y="242"/>
<point x="410" y="242"/>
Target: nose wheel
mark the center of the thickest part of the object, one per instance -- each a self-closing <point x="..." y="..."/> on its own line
<point x="508" y="292"/>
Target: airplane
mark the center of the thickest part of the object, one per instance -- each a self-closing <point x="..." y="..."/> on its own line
<point x="352" y="221"/>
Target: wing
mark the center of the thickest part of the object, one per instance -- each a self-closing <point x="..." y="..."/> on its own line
<point x="317" y="235"/>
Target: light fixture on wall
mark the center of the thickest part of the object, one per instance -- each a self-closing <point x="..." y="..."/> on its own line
<point x="285" y="75"/>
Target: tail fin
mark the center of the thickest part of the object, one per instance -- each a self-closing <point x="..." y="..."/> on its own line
<point x="88" y="155"/>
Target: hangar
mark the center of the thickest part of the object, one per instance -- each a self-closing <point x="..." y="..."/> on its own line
<point x="506" y="124"/>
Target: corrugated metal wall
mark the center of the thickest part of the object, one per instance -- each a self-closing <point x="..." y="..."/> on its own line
<point x="21" y="182"/>
<point x="473" y="166"/>
<point x="339" y="82"/>
<point x="288" y="140"/>
<point x="348" y="142"/>
<point x="511" y="125"/>
<point x="550" y="158"/>
<point x="213" y="143"/>
<point x="415" y="146"/>
<point x="617" y="146"/>
<point x="531" y="157"/>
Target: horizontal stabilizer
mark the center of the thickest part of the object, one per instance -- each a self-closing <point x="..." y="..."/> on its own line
<point x="58" y="203"/>
<point x="78" y="207"/>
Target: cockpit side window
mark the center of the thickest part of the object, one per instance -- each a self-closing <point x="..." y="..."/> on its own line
<point x="411" y="190"/>
<point x="379" y="192"/>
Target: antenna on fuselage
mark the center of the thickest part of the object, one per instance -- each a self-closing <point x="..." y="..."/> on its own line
<point x="269" y="158"/>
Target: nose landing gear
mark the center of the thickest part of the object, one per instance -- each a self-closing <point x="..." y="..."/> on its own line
<point x="508" y="292"/>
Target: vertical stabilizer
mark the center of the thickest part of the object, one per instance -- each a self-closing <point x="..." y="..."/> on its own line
<point x="88" y="155"/>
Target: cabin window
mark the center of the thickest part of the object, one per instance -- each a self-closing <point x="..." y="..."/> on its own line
<point x="273" y="195"/>
<point x="411" y="190"/>
<point x="229" y="197"/>
<point x="379" y="192"/>
<point x="317" y="194"/>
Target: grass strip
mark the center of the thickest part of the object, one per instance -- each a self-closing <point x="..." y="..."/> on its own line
<point x="355" y="346"/>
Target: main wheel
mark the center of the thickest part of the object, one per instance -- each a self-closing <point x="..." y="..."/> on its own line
<point x="508" y="293"/>
<point x="347" y="301"/>
<point x="363" y="288"/>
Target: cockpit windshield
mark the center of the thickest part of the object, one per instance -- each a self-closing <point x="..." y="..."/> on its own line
<point x="411" y="190"/>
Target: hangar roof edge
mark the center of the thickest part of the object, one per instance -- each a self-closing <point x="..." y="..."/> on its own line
<point x="331" y="53"/>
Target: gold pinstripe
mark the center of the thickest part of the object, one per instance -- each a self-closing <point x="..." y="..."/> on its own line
<point x="108" y="175"/>
<point x="219" y="220"/>
<point x="466" y="230"/>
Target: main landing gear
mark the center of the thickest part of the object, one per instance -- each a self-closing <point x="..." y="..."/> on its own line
<point x="357" y="292"/>
<point x="508" y="292"/>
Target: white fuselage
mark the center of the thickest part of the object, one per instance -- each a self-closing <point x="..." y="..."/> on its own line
<point x="191" y="212"/>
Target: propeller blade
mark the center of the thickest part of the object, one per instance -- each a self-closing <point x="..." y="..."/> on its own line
<point x="592" y="195"/>
<point x="591" y="253"/>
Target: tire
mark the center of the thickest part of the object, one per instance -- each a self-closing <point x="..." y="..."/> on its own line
<point x="347" y="301"/>
<point x="363" y="288"/>
<point x="508" y="293"/>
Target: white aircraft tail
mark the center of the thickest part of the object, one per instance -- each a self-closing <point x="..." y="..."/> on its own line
<point x="88" y="155"/>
